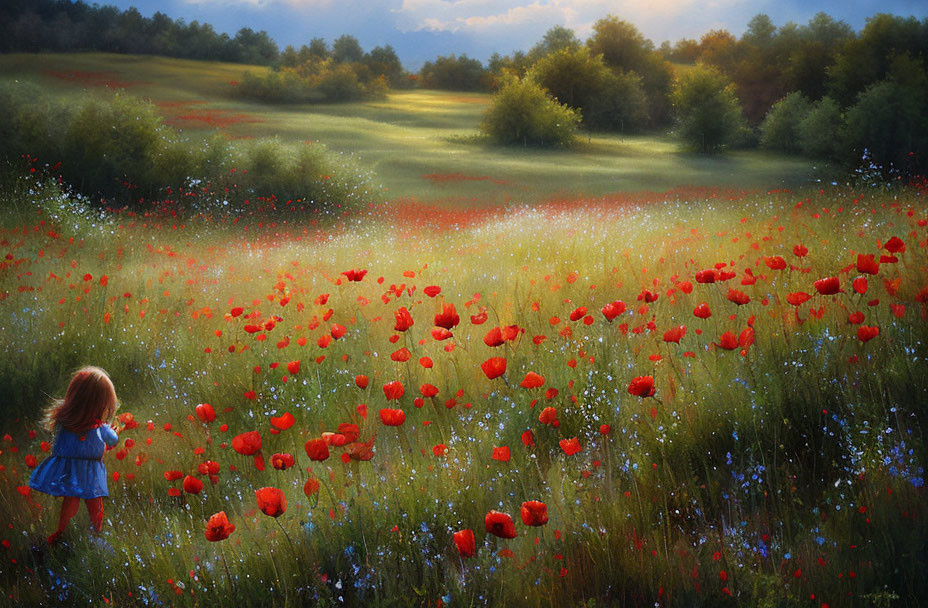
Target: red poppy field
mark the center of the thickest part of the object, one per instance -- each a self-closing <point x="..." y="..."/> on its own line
<point x="695" y="398"/>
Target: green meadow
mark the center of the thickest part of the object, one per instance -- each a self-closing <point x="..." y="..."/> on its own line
<point x="415" y="134"/>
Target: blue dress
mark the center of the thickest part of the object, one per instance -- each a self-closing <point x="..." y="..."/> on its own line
<point x="75" y="467"/>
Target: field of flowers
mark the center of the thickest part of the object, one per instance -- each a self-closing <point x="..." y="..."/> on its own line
<point x="691" y="398"/>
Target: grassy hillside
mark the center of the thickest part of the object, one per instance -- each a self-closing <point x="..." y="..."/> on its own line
<point x="422" y="144"/>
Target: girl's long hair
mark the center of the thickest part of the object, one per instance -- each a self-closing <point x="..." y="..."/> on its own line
<point x="91" y="398"/>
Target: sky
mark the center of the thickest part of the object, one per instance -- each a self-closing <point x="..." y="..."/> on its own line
<point x="420" y="30"/>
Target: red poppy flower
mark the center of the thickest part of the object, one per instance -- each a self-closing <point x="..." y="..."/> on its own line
<point x="532" y="380"/>
<point x="800" y="251"/>
<point x="218" y="527"/>
<point x="401" y="356"/>
<point x="860" y="285"/>
<point x="361" y="381"/>
<point x="317" y="449"/>
<point x="528" y="439"/>
<point x="391" y="417"/>
<point x="403" y="319"/>
<point x="173" y="475"/>
<point x="613" y="309"/>
<point x="334" y="439"/>
<point x="494" y="367"/>
<point x="675" y="334"/>
<point x="440" y="334"/>
<point x="428" y="390"/>
<point x="271" y="501"/>
<point x="895" y="245"/>
<point x="247" y="444"/>
<point x="856" y="318"/>
<point x="283" y="422"/>
<point x="293" y="368"/>
<point x="282" y="462"/>
<point x="728" y="341"/>
<point x="828" y="286"/>
<point x="501" y="454"/>
<point x="570" y="446"/>
<point x="205" y="412"/>
<point x="349" y="431"/>
<point x="432" y="291"/>
<point x="354" y="275"/>
<point x="738" y="297"/>
<point x="798" y="298"/>
<point x="479" y="319"/>
<point x="448" y="318"/>
<point x="702" y="311"/>
<point x="464" y="541"/>
<point x="866" y="264"/>
<point x="641" y="386"/>
<point x="192" y="485"/>
<point x="605" y="429"/>
<point x="707" y="276"/>
<point x="393" y="390"/>
<point x="494" y="337"/>
<point x="440" y="449"/>
<point x="500" y="524"/>
<point x="775" y="263"/>
<point x="578" y="313"/>
<point x="311" y="487"/>
<point x="534" y="513"/>
<point x="866" y="333"/>
<point x="547" y="415"/>
<point x="337" y="331"/>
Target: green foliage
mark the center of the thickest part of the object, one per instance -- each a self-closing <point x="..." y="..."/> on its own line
<point x="116" y="146"/>
<point x="606" y="100"/>
<point x="780" y="129"/>
<point x="453" y="73"/>
<point x="320" y="81"/>
<point x="818" y="130"/>
<point x="706" y="109"/>
<point x="522" y="113"/>
<point x="625" y="49"/>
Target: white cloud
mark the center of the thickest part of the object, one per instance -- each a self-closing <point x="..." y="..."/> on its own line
<point x="480" y="17"/>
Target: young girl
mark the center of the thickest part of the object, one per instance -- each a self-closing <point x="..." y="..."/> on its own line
<point x="75" y="470"/>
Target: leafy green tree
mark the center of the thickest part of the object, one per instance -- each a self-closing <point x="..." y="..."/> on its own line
<point x="454" y="73"/>
<point x="522" y="113"/>
<point x="317" y="48"/>
<point x="890" y="118"/>
<point x="556" y="39"/>
<point x="347" y="49"/>
<point x="818" y="131"/>
<point x="384" y="61"/>
<point x="780" y="129"/>
<point x="706" y="108"/>
<point x="625" y="49"/>
<point x="581" y="81"/>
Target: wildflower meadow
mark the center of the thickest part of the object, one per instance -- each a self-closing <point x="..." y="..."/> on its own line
<point x="699" y="397"/>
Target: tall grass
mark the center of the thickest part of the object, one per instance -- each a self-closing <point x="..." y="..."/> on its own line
<point x="786" y="471"/>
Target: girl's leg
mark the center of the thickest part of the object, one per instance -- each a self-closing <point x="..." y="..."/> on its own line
<point x="95" y="509"/>
<point x="69" y="507"/>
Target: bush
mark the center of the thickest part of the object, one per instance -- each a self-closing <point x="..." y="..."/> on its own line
<point x="522" y="113"/>
<point x="454" y="73"/>
<point x="707" y="111"/>
<point x="605" y="100"/>
<point x="116" y="146"/>
<point x="817" y="131"/>
<point x="780" y="129"/>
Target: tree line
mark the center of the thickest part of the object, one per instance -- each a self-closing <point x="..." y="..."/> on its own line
<point x="820" y="89"/>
